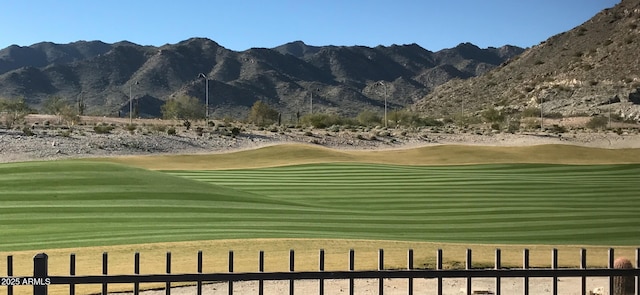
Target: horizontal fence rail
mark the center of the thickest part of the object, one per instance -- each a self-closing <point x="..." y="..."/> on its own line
<point x="41" y="280"/>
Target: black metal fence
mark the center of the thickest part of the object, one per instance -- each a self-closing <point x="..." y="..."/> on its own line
<point x="41" y="279"/>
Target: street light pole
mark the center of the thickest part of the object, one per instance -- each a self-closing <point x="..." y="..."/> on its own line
<point x="385" y="101"/>
<point x="541" y="116"/>
<point x="206" y="85"/>
<point x="131" y="102"/>
<point x="311" y="110"/>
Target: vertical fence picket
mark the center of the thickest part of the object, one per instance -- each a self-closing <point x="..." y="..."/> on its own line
<point x="410" y="267"/>
<point x="40" y="270"/>
<point x="10" y="273"/>
<point x="610" y="266"/>
<point x="261" y="269"/>
<point x="168" y="284"/>
<point x="637" y="267"/>
<point x="230" y="271"/>
<point x="498" y="266"/>
<point x="469" y="266"/>
<point x="554" y="265"/>
<point x="105" y="268"/>
<point x="525" y="265"/>
<point x="199" y="269"/>
<point x="321" y="268"/>
<point x="351" y="268"/>
<point x="72" y="272"/>
<point x="291" y="269"/>
<point x="136" y="270"/>
<point x="583" y="265"/>
<point x="439" y="267"/>
<point x="380" y="268"/>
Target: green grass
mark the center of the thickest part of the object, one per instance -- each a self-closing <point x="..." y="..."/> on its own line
<point x="519" y="203"/>
<point x="45" y="205"/>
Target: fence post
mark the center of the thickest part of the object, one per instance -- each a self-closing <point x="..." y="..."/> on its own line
<point x="291" y="269"/>
<point x="410" y="267"/>
<point x="351" y="268"/>
<point x="637" y="267"/>
<point x="610" y="266"/>
<point x="230" y="271"/>
<point x="72" y="272"/>
<point x="261" y="269"/>
<point x="136" y="270"/>
<point x="199" y="269"/>
<point x="40" y="270"/>
<point x="10" y="273"/>
<point x="168" y="284"/>
<point x="554" y="266"/>
<point x="583" y="265"/>
<point x="525" y="265"/>
<point x="321" y="267"/>
<point x="439" y="267"/>
<point x="105" y="268"/>
<point x="380" y="268"/>
<point x="469" y="266"/>
<point x="498" y="266"/>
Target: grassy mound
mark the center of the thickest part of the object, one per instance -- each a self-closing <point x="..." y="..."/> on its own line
<point x="296" y="154"/>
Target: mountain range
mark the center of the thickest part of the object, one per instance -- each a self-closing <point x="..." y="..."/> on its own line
<point x="590" y="70"/>
<point x="292" y="78"/>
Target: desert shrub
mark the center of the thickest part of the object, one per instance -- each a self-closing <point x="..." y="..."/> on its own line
<point x="553" y="115"/>
<point x="514" y="125"/>
<point x="368" y="118"/>
<point x="555" y="128"/>
<point x="27" y="131"/>
<point x="65" y="133"/>
<point x="131" y="128"/>
<point x="158" y="128"/>
<point x="103" y="129"/>
<point x="235" y="131"/>
<point x="323" y="120"/>
<point x="308" y="133"/>
<point x="598" y="122"/>
<point x="492" y="115"/>
<point x="618" y="131"/>
<point x="262" y="114"/>
<point x="171" y="131"/>
<point x="430" y="122"/>
<point x="199" y="131"/>
<point x="530" y="112"/>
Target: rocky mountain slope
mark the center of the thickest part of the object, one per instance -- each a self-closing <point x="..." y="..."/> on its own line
<point x="340" y="79"/>
<point x="589" y="70"/>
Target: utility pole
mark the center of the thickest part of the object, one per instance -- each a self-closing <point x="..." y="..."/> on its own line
<point x="131" y="102"/>
<point x="206" y="85"/>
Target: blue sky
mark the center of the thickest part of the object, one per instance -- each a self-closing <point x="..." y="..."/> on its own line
<point x="242" y="24"/>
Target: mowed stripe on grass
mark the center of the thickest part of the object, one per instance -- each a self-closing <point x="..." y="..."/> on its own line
<point x="47" y="205"/>
<point x="507" y="203"/>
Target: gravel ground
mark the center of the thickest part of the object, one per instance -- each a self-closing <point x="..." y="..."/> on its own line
<point x="509" y="286"/>
<point x="82" y="141"/>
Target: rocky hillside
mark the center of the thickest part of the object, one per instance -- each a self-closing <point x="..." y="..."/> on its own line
<point x="586" y="71"/>
<point x="340" y="79"/>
